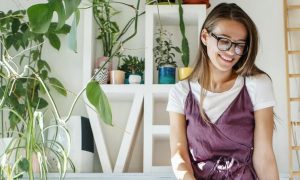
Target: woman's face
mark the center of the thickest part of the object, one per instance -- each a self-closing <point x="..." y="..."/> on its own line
<point x="226" y="31"/>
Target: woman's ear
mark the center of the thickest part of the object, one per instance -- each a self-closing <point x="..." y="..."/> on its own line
<point x="204" y="36"/>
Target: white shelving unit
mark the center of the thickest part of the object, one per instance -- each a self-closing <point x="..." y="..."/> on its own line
<point x="145" y="96"/>
<point x="194" y="16"/>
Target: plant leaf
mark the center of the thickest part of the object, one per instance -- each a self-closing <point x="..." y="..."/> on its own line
<point x="60" y="10"/>
<point x="98" y="99"/>
<point x="54" y="40"/>
<point x="40" y="16"/>
<point x="72" y="37"/>
<point x="15" y="25"/>
<point x="24" y="164"/>
<point x="71" y="6"/>
<point x="58" y="86"/>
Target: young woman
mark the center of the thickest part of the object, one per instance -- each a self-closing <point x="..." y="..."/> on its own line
<point x="221" y="117"/>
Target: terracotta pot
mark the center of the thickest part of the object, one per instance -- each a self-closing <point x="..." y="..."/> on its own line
<point x="197" y="2"/>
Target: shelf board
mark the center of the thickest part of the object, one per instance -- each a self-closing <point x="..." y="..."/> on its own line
<point x="293" y="29"/>
<point x="293" y="52"/>
<point x="293" y="7"/>
<point x="161" y="131"/>
<point x="169" y="13"/>
<point x="294" y="75"/>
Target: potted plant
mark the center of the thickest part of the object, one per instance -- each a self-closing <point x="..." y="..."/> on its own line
<point x="22" y="86"/>
<point x="134" y="69"/>
<point x="23" y="95"/>
<point x="183" y="72"/>
<point x="164" y="54"/>
<point x="110" y="34"/>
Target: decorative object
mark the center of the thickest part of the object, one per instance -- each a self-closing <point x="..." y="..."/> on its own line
<point x="166" y="75"/>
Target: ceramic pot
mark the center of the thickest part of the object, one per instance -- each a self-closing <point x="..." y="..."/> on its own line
<point x="117" y="77"/>
<point x="134" y="79"/>
<point x="103" y="76"/>
<point x="166" y="75"/>
<point x="184" y="72"/>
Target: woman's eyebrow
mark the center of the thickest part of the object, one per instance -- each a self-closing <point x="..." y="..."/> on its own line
<point x="224" y="35"/>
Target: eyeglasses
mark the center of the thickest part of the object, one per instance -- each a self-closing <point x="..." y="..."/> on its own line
<point x="224" y="44"/>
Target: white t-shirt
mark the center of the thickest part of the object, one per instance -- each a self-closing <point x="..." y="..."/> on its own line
<point x="259" y="87"/>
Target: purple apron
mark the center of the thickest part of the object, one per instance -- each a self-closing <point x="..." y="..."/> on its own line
<point x="222" y="150"/>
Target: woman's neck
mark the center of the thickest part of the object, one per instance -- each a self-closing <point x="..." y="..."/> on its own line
<point x="221" y="81"/>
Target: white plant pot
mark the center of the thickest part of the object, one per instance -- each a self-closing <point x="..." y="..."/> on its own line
<point x="134" y="79"/>
<point x="82" y="144"/>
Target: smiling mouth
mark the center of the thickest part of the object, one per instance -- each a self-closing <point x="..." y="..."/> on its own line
<point x="229" y="60"/>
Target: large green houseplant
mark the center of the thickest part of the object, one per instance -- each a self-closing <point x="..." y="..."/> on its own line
<point x="25" y="81"/>
<point x="22" y="85"/>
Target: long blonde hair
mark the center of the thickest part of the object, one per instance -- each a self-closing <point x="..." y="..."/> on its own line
<point x="244" y="67"/>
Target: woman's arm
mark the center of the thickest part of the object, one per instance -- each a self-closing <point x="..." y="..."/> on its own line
<point x="179" y="150"/>
<point x="263" y="157"/>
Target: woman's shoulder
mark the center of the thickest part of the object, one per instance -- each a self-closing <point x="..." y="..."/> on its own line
<point x="181" y="86"/>
<point x="258" y="79"/>
<point x="259" y="82"/>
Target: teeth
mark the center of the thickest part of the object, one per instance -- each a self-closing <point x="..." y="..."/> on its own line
<point x="226" y="59"/>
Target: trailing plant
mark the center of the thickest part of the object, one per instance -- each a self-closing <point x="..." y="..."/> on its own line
<point x="132" y="64"/>
<point x="15" y="32"/>
<point x="185" y="56"/>
<point x="164" y="50"/>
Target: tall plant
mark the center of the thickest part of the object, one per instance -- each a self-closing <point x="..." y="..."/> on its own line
<point x="110" y="34"/>
<point x="185" y="56"/>
<point x="15" y="32"/>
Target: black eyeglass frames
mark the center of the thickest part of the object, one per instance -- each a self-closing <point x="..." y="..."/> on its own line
<point x="224" y="44"/>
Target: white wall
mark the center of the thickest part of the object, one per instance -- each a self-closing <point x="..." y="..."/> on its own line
<point x="268" y="16"/>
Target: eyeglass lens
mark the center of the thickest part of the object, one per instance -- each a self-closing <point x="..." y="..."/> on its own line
<point x="224" y="44"/>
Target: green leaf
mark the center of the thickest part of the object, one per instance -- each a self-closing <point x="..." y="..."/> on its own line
<point x="15" y="25"/>
<point x="58" y="86"/>
<point x="44" y="74"/>
<point x="13" y="120"/>
<point x="9" y="41"/>
<point x="71" y="6"/>
<point x="185" y="52"/>
<point x="24" y="164"/>
<point x="60" y="10"/>
<point x="65" y="29"/>
<point x="98" y="99"/>
<point x="42" y="103"/>
<point x="42" y="64"/>
<point x="54" y="40"/>
<point x="40" y="16"/>
<point x="72" y="37"/>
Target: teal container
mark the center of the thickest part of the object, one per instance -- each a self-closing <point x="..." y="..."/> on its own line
<point x="127" y="74"/>
<point x="166" y="75"/>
